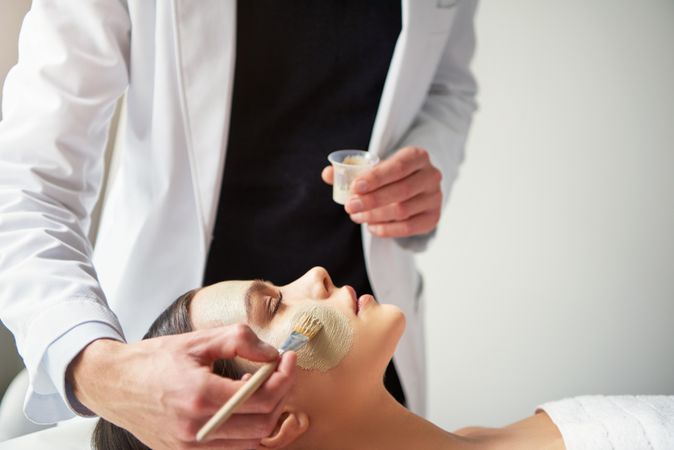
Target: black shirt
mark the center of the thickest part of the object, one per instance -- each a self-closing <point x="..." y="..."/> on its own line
<point x="309" y="76"/>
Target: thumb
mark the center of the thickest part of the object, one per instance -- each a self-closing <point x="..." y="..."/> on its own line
<point x="328" y="175"/>
<point x="233" y="340"/>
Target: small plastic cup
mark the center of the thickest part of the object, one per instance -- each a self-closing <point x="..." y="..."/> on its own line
<point x="348" y="164"/>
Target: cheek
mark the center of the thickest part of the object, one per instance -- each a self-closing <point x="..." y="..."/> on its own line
<point x="330" y="345"/>
<point x="276" y="333"/>
<point x="376" y="340"/>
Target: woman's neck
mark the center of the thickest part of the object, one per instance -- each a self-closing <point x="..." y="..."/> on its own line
<point x="380" y="422"/>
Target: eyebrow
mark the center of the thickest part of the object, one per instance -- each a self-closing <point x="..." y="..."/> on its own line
<point x="256" y="287"/>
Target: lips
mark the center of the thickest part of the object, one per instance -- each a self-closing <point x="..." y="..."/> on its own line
<point x="354" y="298"/>
<point x="358" y="303"/>
<point x="363" y="301"/>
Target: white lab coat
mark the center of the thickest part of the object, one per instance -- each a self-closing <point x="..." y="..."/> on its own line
<point x="175" y="61"/>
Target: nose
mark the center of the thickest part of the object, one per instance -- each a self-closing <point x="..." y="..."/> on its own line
<point x="319" y="283"/>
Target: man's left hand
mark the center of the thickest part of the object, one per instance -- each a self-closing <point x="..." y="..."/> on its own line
<point x="399" y="197"/>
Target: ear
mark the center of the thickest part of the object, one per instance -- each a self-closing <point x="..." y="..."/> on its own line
<point x="290" y="426"/>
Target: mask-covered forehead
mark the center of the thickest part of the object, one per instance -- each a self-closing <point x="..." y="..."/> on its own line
<point x="219" y="304"/>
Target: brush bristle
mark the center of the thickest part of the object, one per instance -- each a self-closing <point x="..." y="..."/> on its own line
<point x="308" y="325"/>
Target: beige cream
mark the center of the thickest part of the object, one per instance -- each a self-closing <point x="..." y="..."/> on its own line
<point x="223" y="305"/>
<point x="356" y="160"/>
<point x="327" y="348"/>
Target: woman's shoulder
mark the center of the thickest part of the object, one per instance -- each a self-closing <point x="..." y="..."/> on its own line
<point x="537" y="432"/>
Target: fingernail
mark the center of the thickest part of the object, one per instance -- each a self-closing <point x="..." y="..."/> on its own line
<point x="358" y="217"/>
<point x="360" y="187"/>
<point x="355" y="205"/>
<point x="374" y="229"/>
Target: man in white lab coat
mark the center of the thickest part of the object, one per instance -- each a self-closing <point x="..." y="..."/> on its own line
<point x="76" y="311"/>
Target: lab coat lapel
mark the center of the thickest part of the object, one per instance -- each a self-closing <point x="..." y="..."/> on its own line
<point x="426" y="24"/>
<point x="206" y="47"/>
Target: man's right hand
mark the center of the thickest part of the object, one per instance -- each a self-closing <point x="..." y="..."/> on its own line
<point x="162" y="389"/>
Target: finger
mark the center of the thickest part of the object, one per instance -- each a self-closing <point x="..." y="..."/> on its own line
<point x="416" y="183"/>
<point x="419" y="224"/>
<point x="402" y="164"/>
<point x="230" y="341"/>
<point x="246" y="376"/>
<point x="249" y="426"/>
<point x="246" y="425"/>
<point x="328" y="175"/>
<point x="399" y="211"/>
<point x="217" y="390"/>
<point x="275" y="388"/>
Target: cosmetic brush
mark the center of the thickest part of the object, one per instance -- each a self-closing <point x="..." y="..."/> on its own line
<point x="305" y="329"/>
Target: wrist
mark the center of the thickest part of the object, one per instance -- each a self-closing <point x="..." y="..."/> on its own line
<point x="89" y="371"/>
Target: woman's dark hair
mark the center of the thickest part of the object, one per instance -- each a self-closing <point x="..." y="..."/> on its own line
<point x="173" y="320"/>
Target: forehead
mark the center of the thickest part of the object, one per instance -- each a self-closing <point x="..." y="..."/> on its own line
<point x="219" y="304"/>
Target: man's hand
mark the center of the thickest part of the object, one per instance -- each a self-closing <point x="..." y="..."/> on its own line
<point x="162" y="389"/>
<point x="399" y="197"/>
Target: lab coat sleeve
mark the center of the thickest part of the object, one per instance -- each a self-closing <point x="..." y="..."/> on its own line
<point x="57" y="106"/>
<point x="442" y="124"/>
<point x="57" y="358"/>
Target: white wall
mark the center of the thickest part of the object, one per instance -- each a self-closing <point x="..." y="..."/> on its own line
<point x="11" y="13"/>
<point x="553" y="272"/>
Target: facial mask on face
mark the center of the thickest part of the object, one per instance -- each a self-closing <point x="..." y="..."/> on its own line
<point x="327" y="348"/>
<point x="227" y="310"/>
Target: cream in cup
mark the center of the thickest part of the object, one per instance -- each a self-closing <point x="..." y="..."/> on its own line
<point x="347" y="165"/>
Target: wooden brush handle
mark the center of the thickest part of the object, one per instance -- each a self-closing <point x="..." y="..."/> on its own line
<point x="243" y="394"/>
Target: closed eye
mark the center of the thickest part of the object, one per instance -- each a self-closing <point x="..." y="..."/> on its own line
<point x="278" y="302"/>
<point x="273" y="304"/>
<point x="262" y="300"/>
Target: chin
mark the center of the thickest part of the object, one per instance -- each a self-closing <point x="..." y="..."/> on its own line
<point x="395" y="317"/>
<point x="393" y="311"/>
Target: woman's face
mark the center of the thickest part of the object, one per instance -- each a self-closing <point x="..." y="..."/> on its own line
<point x="360" y="334"/>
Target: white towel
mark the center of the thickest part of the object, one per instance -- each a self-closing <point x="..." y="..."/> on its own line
<point x="643" y="422"/>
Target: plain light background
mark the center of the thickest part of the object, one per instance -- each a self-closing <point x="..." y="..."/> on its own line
<point x="552" y="274"/>
<point x="11" y="13"/>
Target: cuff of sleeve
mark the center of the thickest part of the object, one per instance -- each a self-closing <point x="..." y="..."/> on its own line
<point x="417" y="243"/>
<point x="59" y="354"/>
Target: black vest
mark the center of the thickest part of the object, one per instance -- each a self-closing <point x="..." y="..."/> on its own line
<point x="309" y="76"/>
